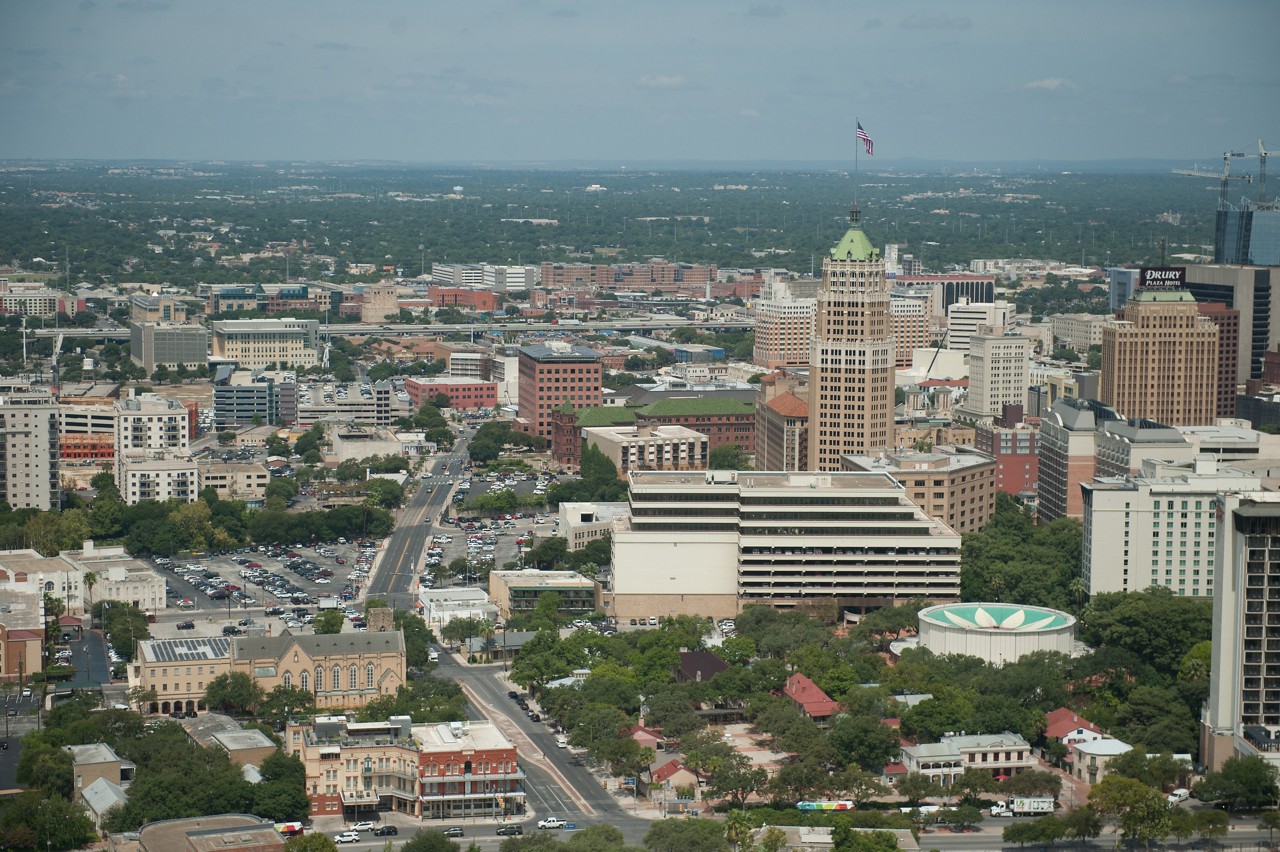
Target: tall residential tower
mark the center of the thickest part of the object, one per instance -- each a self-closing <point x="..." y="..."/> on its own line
<point x="851" y="362"/>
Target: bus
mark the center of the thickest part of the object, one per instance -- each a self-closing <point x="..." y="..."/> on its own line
<point x="842" y="805"/>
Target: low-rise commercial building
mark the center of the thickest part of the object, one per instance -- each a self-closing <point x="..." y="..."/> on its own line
<point x="449" y="770"/>
<point x="464" y="394"/>
<point x="583" y="523"/>
<point x="943" y="762"/>
<point x="518" y="592"/>
<point x="441" y="606"/>
<point x="21" y="626"/>
<point x="247" y="482"/>
<point x="119" y="576"/>
<point x="1089" y="758"/>
<point x="650" y="447"/>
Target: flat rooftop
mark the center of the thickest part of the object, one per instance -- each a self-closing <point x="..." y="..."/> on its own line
<point x="745" y="480"/>
<point x="470" y="735"/>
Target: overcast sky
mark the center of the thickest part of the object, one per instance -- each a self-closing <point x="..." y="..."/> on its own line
<point x="632" y="80"/>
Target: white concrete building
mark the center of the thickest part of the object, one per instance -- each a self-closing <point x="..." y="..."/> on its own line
<point x="120" y="577"/>
<point x="998" y="373"/>
<point x="257" y="343"/>
<point x="1079" y="331"/>
<point x="583" y="523"/>
<point x="1158" y="528"/>
<point x="966" y="319"/>
<point x="710" y="543"/>
<point x="944" y="761"/>
<point x="158" y="476"/>
<point x="440" y="606"/>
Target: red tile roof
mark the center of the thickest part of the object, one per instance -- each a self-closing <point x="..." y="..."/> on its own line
<point x="666" y="770"/>
<point x="1060" y="722"/>
<point x="809" y="698"/>
<point x="636" y="729"/>
<point x="789" y="405"/>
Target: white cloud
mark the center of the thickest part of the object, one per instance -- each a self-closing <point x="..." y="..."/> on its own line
<point x="1052" y="83"/>
<point x="749" y="113"/>
<point x="662" y="82"/>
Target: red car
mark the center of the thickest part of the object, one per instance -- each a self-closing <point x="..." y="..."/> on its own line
<point x="253" y="565"/>
<point x="340" y="561"/>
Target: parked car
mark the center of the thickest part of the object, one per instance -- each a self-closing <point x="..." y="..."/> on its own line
<point x="362" y="826"/>
<point x="186" y="625"/>
<point x="347" y="837"/>
<point x="453" y="831"/>
<point x="386" y="831"/>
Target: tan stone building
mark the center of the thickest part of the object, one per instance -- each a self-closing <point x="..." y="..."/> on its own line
<point x="258" y="343"/>
<point x="93" y="761"/>
<point x="851" y="364"/>
<point x="517" y="592"/>
<point x="343" y="670"/>
<point x="247" y="482"/>
<point x="952" y="484"/>
<point x="649" y="447"/>
<point x="1160" y="361"/>
<point x="377" y="303"/>
<point x="784" y="330"/>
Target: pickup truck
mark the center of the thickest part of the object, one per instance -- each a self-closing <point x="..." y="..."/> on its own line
<point x="551" y="822"/>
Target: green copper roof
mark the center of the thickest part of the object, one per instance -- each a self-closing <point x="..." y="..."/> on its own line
<point x="606" y="416"/>
<point x="690" y="406"/>
<point x="854" y="245"/>
<point x="1146" y="295"/>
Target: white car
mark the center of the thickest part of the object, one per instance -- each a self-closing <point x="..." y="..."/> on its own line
<point x="362" y="826"/>
<point x="347" y="837"/>
<point x="551" y="822"/>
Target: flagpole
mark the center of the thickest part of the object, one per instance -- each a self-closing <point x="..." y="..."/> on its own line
<point x="853" y="213"/>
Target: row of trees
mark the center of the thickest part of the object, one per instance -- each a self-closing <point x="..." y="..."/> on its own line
<point x="174" y="778"/>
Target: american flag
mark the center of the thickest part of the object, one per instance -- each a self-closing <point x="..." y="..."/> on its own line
<point x="866" y="140"/>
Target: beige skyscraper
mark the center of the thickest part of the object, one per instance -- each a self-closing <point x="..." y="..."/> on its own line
<point x="1160" y="361"/>
<point x="851" y="363"/>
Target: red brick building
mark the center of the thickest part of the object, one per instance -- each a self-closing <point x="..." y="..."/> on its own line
<point x="465" y="394"/>
<point x="725" y="422"/>
<point x="463" y="297"/>
<point x="1017" y="455"/>
<point x="98" y="446"/>
<point x="1228" y="322"/>
<point x="552" y="375"/>
<point x="450" y="770"/>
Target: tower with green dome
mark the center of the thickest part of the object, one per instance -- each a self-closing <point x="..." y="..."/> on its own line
<point x="851" y="363"/>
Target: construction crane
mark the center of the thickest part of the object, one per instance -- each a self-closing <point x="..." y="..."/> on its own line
<point x="1263" y="153"/>
<point x="53" y="364"/>
<point x="1224" y="177"/>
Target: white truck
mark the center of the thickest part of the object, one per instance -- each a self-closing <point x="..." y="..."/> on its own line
<point x="1023" y="806"/>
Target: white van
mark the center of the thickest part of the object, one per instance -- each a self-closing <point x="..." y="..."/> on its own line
<point x="562" y="741"/>
<point x="1179" y="796"/>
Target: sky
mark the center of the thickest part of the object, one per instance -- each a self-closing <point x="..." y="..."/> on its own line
<point x="619" y="81"/>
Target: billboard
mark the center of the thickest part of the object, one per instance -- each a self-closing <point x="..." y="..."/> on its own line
<point x="1163" y="278"/>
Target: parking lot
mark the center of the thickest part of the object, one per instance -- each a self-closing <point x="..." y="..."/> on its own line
<point x="486" y="542"/>
<point x="262" y="583"/>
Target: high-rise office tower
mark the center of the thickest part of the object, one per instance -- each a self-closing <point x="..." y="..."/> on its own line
<point x="851" y="365"/>
<point x="1242" y="715"/>
<point x="1160" y="361"/>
